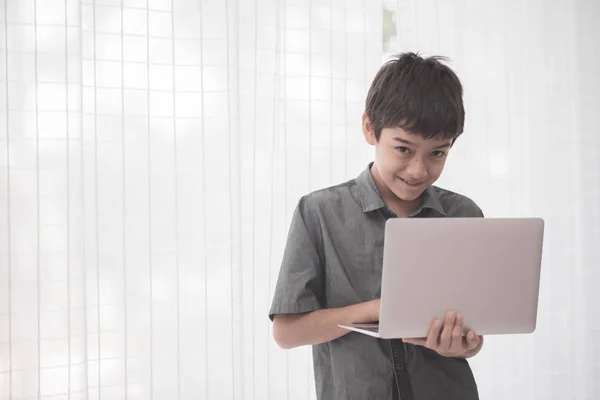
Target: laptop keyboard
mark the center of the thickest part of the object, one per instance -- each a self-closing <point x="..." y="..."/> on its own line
<point x="373" y="329"/>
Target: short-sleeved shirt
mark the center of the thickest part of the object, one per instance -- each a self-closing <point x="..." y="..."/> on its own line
<point x="333" y="258"/>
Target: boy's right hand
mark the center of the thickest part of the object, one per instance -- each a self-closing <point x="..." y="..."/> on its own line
<point x="321" y="326"/>
<point x="373" y="310"/>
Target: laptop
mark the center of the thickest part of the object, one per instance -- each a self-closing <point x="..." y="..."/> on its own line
<point x="487" y="269"/>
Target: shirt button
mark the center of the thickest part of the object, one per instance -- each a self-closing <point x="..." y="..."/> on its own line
<point x="399" y="367"/>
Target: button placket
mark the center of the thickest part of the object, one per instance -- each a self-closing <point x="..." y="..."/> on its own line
<point x="400" y="371"/>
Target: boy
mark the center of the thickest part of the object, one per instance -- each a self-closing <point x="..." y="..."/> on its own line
<point x="331" y="269"/>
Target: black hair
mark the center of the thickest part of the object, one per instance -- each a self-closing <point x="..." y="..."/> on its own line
<point x="421" y="95"/>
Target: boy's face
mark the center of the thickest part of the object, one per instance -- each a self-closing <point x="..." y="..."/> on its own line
<point x="406" y="163"/>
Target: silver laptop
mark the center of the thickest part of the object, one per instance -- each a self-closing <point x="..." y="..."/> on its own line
<point x="487" y="269"/>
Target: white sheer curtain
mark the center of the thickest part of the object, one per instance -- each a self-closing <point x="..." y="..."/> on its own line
<point x="152" y="151"/>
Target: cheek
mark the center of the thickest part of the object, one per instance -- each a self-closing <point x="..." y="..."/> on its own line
<point x="435" y="169"/>
<point x="397" y="165"/>
<point x="390" y="160"/>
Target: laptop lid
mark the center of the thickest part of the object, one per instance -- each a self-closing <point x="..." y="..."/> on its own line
<point x="488" y="269"/>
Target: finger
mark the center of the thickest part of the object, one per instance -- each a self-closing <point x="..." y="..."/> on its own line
<point x="446" y="336"/>
<point x="457" y="345"/>
<point x="432" y="341"/>
<point x="472" y="340"/>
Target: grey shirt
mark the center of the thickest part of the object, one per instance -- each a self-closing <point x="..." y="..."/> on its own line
<point x="333" y="258"/>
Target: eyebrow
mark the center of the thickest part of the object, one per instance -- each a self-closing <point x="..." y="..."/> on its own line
<point x="408" y="142"/>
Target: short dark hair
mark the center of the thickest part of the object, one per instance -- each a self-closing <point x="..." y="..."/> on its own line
<point x="421" y="95"/>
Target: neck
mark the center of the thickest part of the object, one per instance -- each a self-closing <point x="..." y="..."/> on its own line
<point x="400" y="207"/>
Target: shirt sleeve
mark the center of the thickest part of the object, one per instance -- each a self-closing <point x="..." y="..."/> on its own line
<point x="300" y="284"/>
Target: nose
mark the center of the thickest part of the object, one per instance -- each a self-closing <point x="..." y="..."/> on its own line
<point x="416" y="170"/>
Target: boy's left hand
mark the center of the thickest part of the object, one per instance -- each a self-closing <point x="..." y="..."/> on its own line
<point x="447" y="338"/>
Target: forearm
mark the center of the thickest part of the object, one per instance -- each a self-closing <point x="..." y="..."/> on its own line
<point x="321" y="326"/>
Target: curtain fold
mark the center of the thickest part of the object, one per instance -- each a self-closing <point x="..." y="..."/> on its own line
<point x="152" y="152"/>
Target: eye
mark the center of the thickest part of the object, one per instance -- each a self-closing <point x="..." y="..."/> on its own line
<point x="438" y="154"/>
<point x="402" y="149"/>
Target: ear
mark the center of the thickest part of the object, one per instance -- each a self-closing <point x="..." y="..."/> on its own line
<point x="368" y="131"/>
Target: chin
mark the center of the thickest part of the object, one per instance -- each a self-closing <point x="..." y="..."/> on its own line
<point x="405" y="195"/>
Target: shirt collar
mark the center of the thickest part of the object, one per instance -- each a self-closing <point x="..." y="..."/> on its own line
<point x="371" y="198"/>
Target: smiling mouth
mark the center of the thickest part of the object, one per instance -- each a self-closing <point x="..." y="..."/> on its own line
<point x="411" y="183"/>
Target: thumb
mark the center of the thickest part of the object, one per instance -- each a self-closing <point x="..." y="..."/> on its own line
<point x="472" y="340"/>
